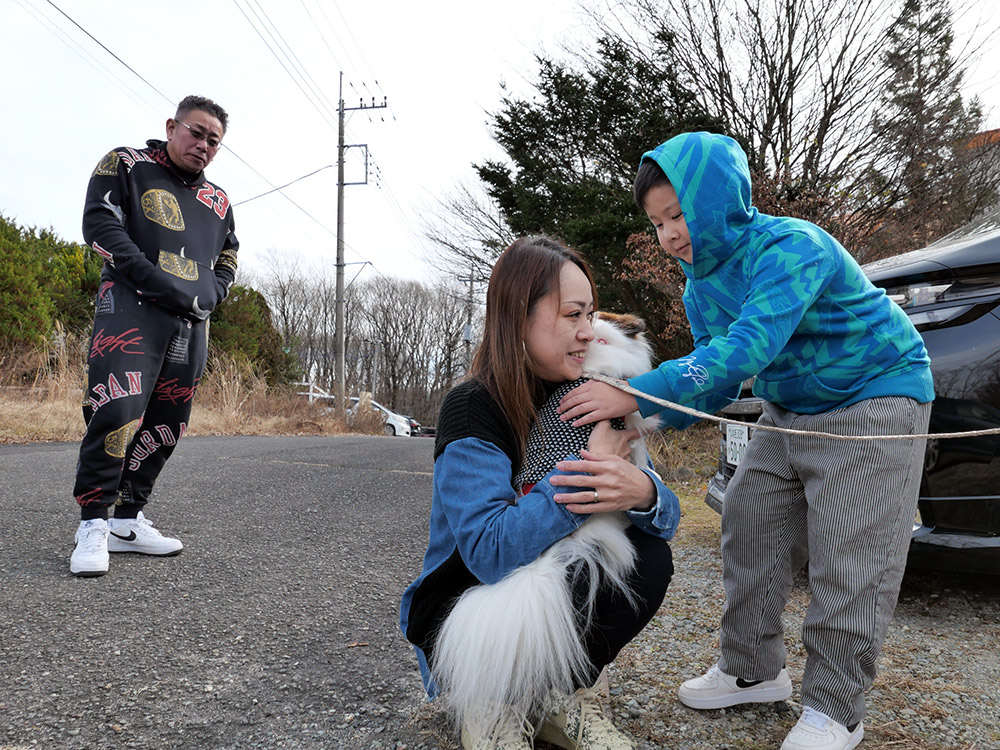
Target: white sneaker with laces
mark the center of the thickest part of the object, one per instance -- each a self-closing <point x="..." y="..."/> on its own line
<point x="716" y="689"/>
<point x="138" y="535"/>
<point x="90" y="556"/>
<point x="817" y="731"/>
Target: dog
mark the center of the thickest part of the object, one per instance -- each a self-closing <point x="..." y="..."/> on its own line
<point x="515" y="642"/>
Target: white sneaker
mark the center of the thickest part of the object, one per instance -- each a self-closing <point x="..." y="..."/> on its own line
<point x="716" y="689"/>
<point x="138" y="535"/>
<point x="817" y="731"/>
<point x="90" y="557"/>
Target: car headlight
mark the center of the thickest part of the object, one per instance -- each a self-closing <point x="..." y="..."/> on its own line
<point x="938" y="316"/>
<point x="917" y="295"/>
<point x="952" y="299"/>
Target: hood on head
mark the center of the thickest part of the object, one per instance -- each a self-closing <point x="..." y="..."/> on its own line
<point x="711" y="176"/>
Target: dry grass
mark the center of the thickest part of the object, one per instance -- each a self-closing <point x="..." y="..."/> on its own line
<point x="680" y="455"/>
<point x="686" y="460"/>
<point x="41" y="393"/>
<point x="235" y="400"/>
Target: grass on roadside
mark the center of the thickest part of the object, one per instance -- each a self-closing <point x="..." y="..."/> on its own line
<point x="41" y="395"/>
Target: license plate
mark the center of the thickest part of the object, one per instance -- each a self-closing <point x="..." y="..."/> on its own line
<point x="737" y="437"/>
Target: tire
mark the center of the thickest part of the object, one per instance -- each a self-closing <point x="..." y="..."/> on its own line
<point x="388" y="429"/>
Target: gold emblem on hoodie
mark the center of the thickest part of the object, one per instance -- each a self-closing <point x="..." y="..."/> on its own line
<point x="162" y="207"/>
<point x="108" y="166"/>
<point x="116" y="442"/>
<point x="178" y="265"/>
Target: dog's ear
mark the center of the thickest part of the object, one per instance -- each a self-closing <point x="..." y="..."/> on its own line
<point x="630" y="325"/>
<point x="636" y="325"/>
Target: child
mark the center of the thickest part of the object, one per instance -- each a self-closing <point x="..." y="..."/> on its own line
<point x="779" y="299"/>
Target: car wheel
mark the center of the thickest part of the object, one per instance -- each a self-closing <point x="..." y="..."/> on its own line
<point x="388" y="429"/>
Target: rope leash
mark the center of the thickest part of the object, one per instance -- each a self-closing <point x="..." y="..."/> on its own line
<point x="624" y="386"/>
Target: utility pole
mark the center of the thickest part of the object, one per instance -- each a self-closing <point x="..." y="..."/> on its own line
<point x="339" y="349"/>
<point x="467" y="334"/>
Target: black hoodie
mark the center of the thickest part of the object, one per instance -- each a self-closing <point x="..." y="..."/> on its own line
<point x="166" y="233"/>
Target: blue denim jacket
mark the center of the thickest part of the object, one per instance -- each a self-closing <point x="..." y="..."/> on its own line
<point x="476" y="511"/>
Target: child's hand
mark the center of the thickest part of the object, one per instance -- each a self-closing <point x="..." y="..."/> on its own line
<point x="594" y="401"/>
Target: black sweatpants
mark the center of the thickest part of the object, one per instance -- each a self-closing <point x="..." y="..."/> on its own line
<point x="143" y="368"/>
<point x="614" y="621"/>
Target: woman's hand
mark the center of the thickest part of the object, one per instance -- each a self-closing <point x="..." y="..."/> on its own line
<point x="605" y="440"/>
<point x="615" y="484"/>
<point x="593" y="401"/>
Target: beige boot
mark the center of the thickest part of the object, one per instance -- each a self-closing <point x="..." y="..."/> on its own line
<point x="508" y="732"/>
<point x="577" y="722"/>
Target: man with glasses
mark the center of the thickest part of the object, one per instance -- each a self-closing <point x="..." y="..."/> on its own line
<point x="167" y="238"/>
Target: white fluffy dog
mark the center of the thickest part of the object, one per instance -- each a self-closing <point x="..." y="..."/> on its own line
<point x="514" y="642"/>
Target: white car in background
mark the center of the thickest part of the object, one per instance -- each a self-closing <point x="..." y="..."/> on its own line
<point x="395" y="424"/>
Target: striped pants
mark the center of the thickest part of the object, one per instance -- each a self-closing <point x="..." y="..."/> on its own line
<point x="847" y="508"/>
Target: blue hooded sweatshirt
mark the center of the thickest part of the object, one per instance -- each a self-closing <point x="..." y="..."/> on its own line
<point x="776" y="298"/>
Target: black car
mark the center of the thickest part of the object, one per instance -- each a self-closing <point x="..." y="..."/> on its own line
<point x="951" y="291"/>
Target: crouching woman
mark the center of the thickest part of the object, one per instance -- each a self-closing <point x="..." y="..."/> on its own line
<point x="518" y="609"/>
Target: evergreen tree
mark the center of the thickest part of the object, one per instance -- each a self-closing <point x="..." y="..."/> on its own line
<point x="573" y="152"/>
<point x="242" y="327"/>
<point x="43" y="279"/>
<point x="74" y="276"/>
<point x="26" y="311"/>
<point x="932" y="176"/>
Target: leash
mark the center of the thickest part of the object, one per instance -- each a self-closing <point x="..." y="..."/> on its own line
<point x="624" y="386"/>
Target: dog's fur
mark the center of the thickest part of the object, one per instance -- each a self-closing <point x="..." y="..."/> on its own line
<point x="513" y="643"/>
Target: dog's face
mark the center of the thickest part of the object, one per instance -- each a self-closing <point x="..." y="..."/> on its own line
<point x="619" y="348"/>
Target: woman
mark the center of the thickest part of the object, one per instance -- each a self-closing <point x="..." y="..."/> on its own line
<point x="539" y="307"/>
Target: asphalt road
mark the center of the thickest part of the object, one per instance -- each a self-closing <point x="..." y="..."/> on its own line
<point x="275" y="627"/>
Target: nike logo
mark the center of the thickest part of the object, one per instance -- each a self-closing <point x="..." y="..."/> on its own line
<point x="131" y="538"/>
<point x="741" y="683"/>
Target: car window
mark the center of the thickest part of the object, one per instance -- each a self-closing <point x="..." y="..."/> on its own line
<point x="984" y="224"/>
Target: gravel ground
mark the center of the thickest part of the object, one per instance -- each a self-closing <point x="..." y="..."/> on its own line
<point x="938" y="686"/>
<point x="277" y="626"/>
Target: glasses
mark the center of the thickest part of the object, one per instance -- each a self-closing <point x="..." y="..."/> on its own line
<point x="198" y="134"/>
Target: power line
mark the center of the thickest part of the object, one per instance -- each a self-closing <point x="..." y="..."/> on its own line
<point x="86" y="56"/>
<point x="68" y="40"/>
<point x="392" y="201"/>
<point x="320" y="34"/>
<point x="343" y="46"/>
<point x="324" y="115"/>
<point x="98" y="42"/>
<point x="228" y="149"/>
<point x="282" y="187"/>
<point x="300" y="67"/>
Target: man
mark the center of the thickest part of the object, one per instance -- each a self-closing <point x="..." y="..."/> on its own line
<point x="167" y="238"/>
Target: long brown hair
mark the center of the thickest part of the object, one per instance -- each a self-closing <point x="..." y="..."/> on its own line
<point x="524" y="273"/>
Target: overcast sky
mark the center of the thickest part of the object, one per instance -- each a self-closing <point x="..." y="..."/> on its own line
<point x="438" y="63"/>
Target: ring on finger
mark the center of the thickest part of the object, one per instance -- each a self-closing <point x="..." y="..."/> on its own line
<point x="595" y="496"/>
